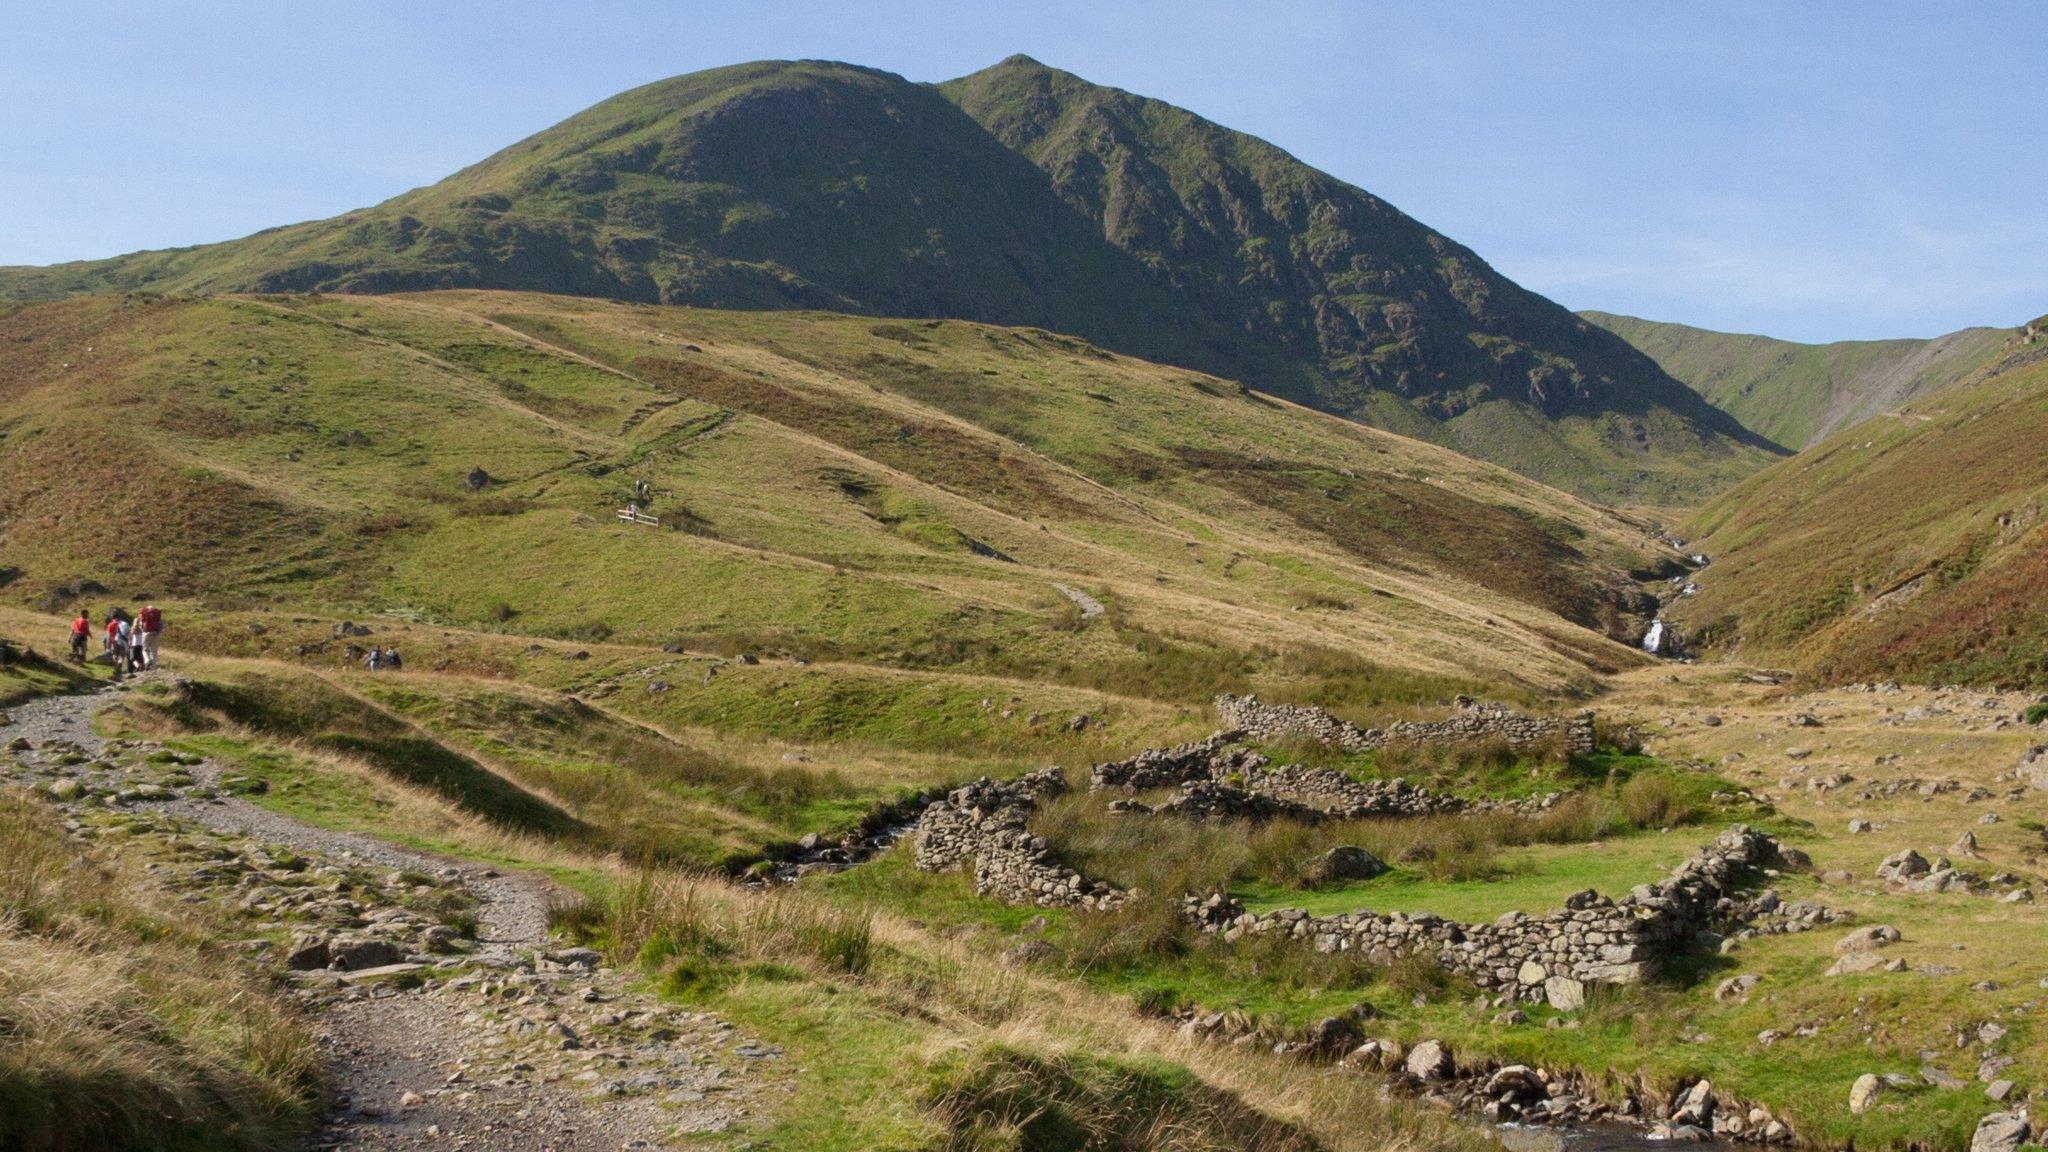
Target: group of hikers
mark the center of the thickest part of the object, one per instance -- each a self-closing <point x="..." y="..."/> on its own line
<point x="128" y="642"/>
<point x="383" y="661"/>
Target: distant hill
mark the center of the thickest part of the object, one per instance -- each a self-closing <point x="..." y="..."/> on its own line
<point x="1018" y="195"/>
<point x="932" y="494"/>
<point x="1912" y="546"/>
<point x="1796" y="394"/>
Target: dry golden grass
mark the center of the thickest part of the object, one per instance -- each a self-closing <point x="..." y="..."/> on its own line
<point x="125" y="1024"/>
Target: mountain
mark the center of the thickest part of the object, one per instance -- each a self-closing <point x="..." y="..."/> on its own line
<point x="1022" y="196"/>
<point x="928" y="495"/>
<point x="1911" y="546"/>
<point x="1796" y="394"/>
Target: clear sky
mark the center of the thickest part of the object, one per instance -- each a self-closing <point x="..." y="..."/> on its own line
<point x="1809" y="170"/>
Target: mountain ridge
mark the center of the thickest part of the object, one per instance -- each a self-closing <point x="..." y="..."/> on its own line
<point x="816" y="184"/>
<point x="1797" y="394"/>
<point x="1911" y="546"/>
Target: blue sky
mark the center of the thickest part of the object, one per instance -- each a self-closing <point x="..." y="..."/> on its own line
<point x="1808" y="170"/>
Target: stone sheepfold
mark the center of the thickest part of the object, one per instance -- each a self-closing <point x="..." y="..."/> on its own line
<point x="1591" y="940"/>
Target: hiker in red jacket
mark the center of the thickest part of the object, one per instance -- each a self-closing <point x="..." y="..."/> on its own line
<point x="81" y="630"/>
<point x="149" y="625"/>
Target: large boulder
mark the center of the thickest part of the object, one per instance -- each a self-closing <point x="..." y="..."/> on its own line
<point x="2001" y="1132"/>
<point x="308" y="953"/>
<point x="2033" y="769"/>
<point x="1429" y="1062"/>
<point x="1344" y="862"/>
<point x="1863" y="1093"/>
<point x="1867" y="939"/>
<point x="1852" y="963"/>
<point x="1695" y="1107"/>
<point x="1902" y="866"/>
<point x="353" y="954"/>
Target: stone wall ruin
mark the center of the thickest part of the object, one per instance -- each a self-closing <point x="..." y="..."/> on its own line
<point x="1472" y="722"/>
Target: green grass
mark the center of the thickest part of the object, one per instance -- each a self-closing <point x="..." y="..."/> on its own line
<point x="1528" y="879"/>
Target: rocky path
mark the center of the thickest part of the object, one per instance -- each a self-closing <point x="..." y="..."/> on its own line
<point x="448" y="1018"/>
<point x="1090" y="607"/>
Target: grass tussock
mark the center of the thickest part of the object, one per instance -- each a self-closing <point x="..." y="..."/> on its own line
<point x="694" y="934"/>
<point x="122" y="1026"/>
<point x="1001" y="1099"/>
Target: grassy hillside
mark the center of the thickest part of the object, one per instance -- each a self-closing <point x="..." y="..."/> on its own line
<point x="913" y="496"/>
<point x="1796" y="394"/>
<point x="1910" y="546"/>
<point x="1408" y="328"/>
<point x="1038" y="200"/>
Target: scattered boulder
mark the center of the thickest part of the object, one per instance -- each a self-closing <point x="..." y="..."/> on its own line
<point x="476" y="481"/>
<point x="1903" y="866"/>
<point x="351" y="953"/>
<point x="1430" y="1062"/>
<point x="1695" y="1107"/>
<point x="1868" y="939"/>
<point x="2001" y="1132"/>
<point x="1344" y="862"/>
<point x="308" y="953"/>
<point x="1376" y="1055"/>
<point x="1941" y="1078"/>
<point x="1735" y="989"/>
<point x="1856" y="962"/>
<point x="1864" y="1092"/>
<point x="2033" y="769"/>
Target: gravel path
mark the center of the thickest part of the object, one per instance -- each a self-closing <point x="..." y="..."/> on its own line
<point x="527" y="1051"/>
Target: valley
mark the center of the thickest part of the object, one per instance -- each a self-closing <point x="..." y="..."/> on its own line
<point x="796" y="611"/>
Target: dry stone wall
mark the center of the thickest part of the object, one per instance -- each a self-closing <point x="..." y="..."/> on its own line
<point x="1591" y="940"/>
<point x="1472" y="722"/>
<point x="1221" y="780"/>
<point x="985" y="823"/>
